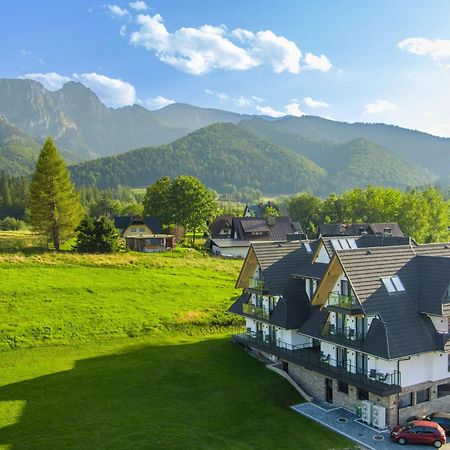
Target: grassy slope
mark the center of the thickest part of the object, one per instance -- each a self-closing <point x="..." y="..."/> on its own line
<point x="178" y="383"/>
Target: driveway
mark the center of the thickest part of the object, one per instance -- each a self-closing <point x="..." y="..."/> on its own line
<point x="345" y="422"/>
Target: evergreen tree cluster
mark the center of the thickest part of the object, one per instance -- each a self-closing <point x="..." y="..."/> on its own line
<point x="97" y="236"/>
<point x="13" y="193"/>
<point x="422" y="214"/>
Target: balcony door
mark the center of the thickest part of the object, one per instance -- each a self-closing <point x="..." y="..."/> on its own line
<point x="272" y="334"/>
<point x="361" y="326"/>
<point x="340" y="324"/>
<point x="341" y="357"/>
<point x="361" y="363"/>
<point x="259" y="330"/>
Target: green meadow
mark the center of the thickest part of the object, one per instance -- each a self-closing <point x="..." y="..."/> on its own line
<point x="133" y="351"/>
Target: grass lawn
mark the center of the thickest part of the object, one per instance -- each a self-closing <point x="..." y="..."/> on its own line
<point x="132" y="351"/>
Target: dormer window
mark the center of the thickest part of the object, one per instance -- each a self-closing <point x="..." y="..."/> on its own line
<point x="387" y="232"/>
<point x="393" y="284"/>
<point x="308" y="247"/>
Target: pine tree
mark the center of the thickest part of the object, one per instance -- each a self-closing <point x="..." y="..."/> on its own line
<point x="99" y="236"/>
<point x="53" y="204"/>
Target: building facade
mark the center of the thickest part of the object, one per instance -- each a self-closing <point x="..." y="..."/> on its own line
<point x="356" y="321"/>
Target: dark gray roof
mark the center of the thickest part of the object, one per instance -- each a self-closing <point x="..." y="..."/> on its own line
<point x="368" y="240"/>
<point x="123" y="222"/>
<point x="401" y="329"/>
<point x="434" y="277"/>
<point x="316" y="270"/>
<point x="279" y="261"/>
<point x="236" y="307"/>
<point x="227" y="243"/>
<point x="273" y="228"/>
<point x="355" y="229"/>
<point x="313" y="326"/>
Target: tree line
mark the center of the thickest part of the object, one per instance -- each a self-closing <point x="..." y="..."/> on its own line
<point x="421" y="213"/>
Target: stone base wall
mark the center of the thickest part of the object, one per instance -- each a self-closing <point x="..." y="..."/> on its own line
<point x="433" y="405"/>
<point x="314" y="384"/>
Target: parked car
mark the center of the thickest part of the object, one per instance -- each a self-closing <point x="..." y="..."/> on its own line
<point x="442" y="418"/>
<point x="419" y="432"/>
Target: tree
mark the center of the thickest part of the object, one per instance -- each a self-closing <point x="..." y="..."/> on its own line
<point x="305" y="209"/>
<point x="184" y="202"/>
<point x="53" y="204"/>
<point x="157" y="201"/>
<point x="192" y="203"/>
<point x="99" y="236"/>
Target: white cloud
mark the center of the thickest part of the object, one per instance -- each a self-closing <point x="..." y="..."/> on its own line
<point x="220" y="95"/>
<point x="293" y="109"/>
<point x="123" y="30"/>
<point x="158" y="102"/>
<point x="243" y="102"/>
<point x="206" y="48"/>
<point x="268" y="48"/>
<point x="380" y="106"/>
<point x="315" y="103"/>
<point x="112" y="91"/>
<point x="437" y="49"/>
<point x="139" y="5"/>
<point x="117" y="11"/>
<point x="257" y="99"/>
<point x="314" y="62"/>
<point x="51" y="81"/>
<point x="269" y="111"/>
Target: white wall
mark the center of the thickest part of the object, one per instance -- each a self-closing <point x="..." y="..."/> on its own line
<point x="323" y="257"/>
<point x="250" y="323"/>
<point x="230" y="251"/>
<point x="328" y="349"/>
<point x="426" y="367"/>
<point x="440" y="323"/>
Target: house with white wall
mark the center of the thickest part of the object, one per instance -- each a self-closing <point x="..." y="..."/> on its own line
<point x="354" y="320"/>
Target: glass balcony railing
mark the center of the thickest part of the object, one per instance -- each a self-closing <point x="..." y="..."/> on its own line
<point x="346" y="333"/>
<point x="310" y="357"/>
<point x="256" y="284"/>
<point x="256" y="311"/>
<point x="342" y="301"/>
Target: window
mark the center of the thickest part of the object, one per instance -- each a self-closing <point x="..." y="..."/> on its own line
<point x="308" y="247"/>
<point x="393" y="284"/>
<point x="447" y="294"/>
<point x="345" y="287"/>
<point x="342" y="387"/>
<point x="133" y="230"/>
<point x="363" y="395"/>
<point x="405" y="400"/>
<point x="387" y="232"/>
<point x="141" y="230"/>
<point x="423" y="395"/>
<point x="448" y="363"/>
<point x="344" y="244"/>
<point x="443" y="390"/>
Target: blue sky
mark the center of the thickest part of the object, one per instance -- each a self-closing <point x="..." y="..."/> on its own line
<point x="371" y="61"/>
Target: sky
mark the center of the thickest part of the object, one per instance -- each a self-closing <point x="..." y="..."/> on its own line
<point x="366" y="61"/>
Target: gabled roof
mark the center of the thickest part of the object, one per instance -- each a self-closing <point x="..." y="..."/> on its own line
<point x="401" y="329"/>
<point x="355" y="229"/>
<point x="219" y="224"/>
<point x="273" y="228"/>
<point x="123" y="222"/>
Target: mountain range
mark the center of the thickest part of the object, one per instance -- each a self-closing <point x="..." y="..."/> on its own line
<point x="222" y="148"/>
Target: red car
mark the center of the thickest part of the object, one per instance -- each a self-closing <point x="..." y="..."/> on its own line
<point x="419" y="432"/>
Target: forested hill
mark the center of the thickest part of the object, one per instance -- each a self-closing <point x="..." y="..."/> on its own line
<point x="18" y="152"/>
<point x="224" y="154"/>
<point x="426" y="150"/>
<point x="220" y="155"/>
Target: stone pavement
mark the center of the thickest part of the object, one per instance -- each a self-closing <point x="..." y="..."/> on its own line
<point x="345" y="422"/>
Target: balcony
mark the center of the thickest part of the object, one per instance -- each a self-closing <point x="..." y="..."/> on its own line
<point x="342" y="335"/>
<point x="256" y="311"/>
<point x="382" y="384"/>
<point x="343" y="302"/>
<point x="255" y="284"/>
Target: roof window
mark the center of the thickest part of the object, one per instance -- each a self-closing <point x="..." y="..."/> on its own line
<point x="344" y="244"/>
<point x="308" y="247"/>
<point x="393" y="284"/>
